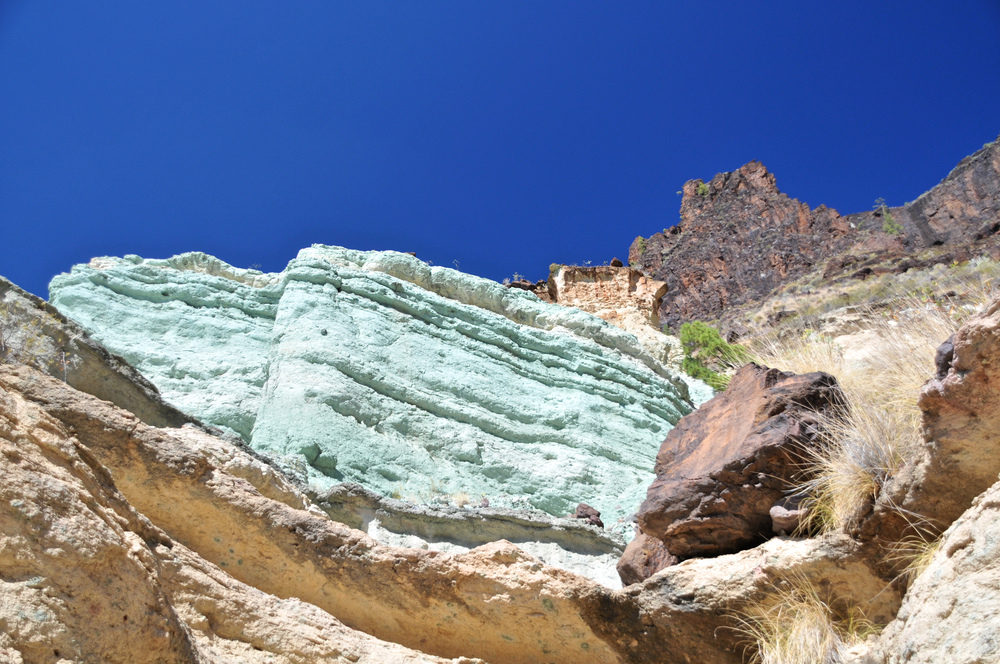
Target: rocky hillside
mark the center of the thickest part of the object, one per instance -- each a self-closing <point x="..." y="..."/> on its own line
<point x="739" y="239"/>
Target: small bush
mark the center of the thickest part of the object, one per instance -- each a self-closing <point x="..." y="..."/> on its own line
<point x="702" y="189"/>
<point x="640" y="243"/>
<point x="707" y="356"/>
<point x="889" y="225"/>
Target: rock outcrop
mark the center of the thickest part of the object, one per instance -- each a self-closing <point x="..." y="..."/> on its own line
<point x="622" y="296"/>
<point x="739" y="238"/>
<point x="376" y="368"/>
<point x="723" y="467"/>
<point x="222" y="559"/>
<point x="951" y="612"/>
<point x="960" y="455"/>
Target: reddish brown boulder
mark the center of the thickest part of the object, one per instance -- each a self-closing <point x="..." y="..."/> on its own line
<point x="588" y="514"/>
<point x="722" y="467"/>
<point x="644" y="557"/>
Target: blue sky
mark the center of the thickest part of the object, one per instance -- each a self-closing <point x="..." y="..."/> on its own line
<point x="501" y="136"/>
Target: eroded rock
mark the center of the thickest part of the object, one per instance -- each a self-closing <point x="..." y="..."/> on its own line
<point x="186" y="487"/>
<point x="721" y="468"/>
<point x="379" y="369"/>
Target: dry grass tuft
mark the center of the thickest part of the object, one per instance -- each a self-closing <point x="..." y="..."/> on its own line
<point x="796" y="626"/>
<point x="881" y="373"/>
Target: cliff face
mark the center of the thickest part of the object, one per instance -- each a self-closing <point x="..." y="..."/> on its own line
<point x="740" y="238"/>
<point x="376" y="368"/>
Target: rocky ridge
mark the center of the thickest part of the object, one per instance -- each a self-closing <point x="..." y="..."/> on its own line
<point x="739" y="239"/>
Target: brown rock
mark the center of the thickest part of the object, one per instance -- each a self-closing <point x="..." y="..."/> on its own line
<point x="644" y="557"/>
<point x="620" y="295"/>
<point x="588" y="513"/>
<point x="739" y="238"/>
<point x="616" y="262"/>
<point x="722" y="467"/>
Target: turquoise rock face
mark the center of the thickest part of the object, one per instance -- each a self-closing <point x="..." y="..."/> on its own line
<point x="412" y="380"/>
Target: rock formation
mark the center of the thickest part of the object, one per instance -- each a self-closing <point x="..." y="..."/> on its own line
<point x="214" y="556"/>
<point x="723" y="467"/>
<point x="620" y="295"/>
<point x="739" y="238"/>
<point x="379" y="369"/>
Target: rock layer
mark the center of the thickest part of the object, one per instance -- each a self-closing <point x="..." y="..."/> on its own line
<point x="379" y="369"/>
<point x="238" y="549"/>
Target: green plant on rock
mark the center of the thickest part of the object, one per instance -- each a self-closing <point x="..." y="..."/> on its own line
<point x="702" y="189"/>
<point x="707" y="356"/>
<point x="640" y="244"/>
<point x="889" y="225"/>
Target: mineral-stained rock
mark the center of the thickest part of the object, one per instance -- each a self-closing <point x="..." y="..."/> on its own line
<point x="721" y="468"/>
<point x="951" y="612"/>
<point x="192" y="511"/>
<point x="960" y="457"/>
<point x="380" y="369"/>
<point x="644" y="556"/>
<point x="622" y="296"/>
<point x="63" y="349"/>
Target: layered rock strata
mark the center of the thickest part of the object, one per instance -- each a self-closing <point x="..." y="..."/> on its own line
<point x="739" y="238"/>
<point x="723" y="467"/>
<point x="377" y="368"/>
<point x="224" y="560"/>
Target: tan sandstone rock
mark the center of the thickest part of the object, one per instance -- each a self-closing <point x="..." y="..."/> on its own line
<point x="960" y="456"/>
<point x="206" y="521"/>
<point x="624" y="297"/>
<point x="951" y="613"/>
<point x="85" y="578"/>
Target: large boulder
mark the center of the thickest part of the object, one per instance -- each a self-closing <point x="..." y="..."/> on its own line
<point x="723" y="467"/>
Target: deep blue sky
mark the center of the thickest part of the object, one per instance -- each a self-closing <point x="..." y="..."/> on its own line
<point x="505" y="136"/>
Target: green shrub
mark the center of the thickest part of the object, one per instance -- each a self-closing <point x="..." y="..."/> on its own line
<point x="889" y="225"/>
<point x="702" y="189"/>
<point x="707" y="355"/>
<point x="640" y="243"/>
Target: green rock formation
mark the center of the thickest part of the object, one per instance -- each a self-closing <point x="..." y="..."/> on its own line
<point x="374" y="367"/>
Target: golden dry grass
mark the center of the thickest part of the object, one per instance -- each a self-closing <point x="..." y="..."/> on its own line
<point x="881" y="372"/>
<point x="794" y="625"/>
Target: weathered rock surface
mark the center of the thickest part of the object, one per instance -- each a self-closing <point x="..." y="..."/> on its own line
<point x="565" y="543"/>
<point x="644" y="557"/>
<point x="622" y="296"/>
<point x="195" y="511"/>
<point x="63" y="349"/>
<point x="960" y="456"/>
<point x="84" y="577"/>
<point x="739" y="238"/>
<point x="721" y="468"/>
<point x="951" y="612"/>
<point x="379" y="369"/>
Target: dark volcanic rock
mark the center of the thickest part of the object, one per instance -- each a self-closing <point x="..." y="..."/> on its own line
<point x="589" y="514"/>
<point x="644" y="557"/>
<point x="722" y="467"/>
<point x="739" y="238"/>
